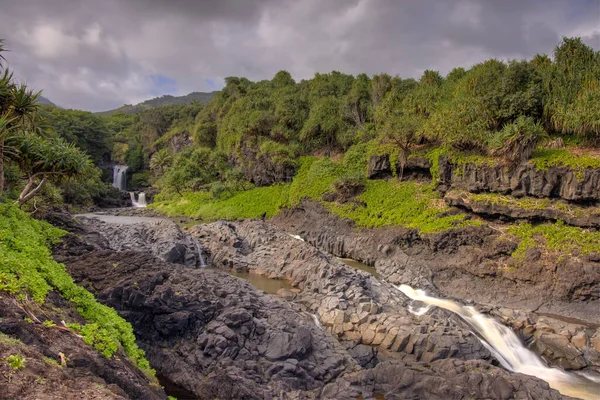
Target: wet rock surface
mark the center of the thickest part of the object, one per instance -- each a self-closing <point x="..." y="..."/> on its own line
<point x="467" y="264"/>
<point x="212" y="335"/>
<point x="350" y="303"/>
<point x="160" y="237"/>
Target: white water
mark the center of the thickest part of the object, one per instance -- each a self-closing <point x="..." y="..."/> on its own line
<point x="140" y="202"/>
<point x="316" y="321"/>
<point x="120" y="176"/>
<point x="201" y="260"/>
<point x="507" y="348"/>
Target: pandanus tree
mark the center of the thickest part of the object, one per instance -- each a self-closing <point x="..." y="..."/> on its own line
<point x="19" y="111"/>
<point x="42" y="160"/>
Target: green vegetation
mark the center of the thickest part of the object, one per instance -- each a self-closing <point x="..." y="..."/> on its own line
<point x="546" y="158"/>
<point x="31" y="156"/>
<point x="401" y="203"/>
<point x="248" y="204"/>
<point x="16" y="361"/>
<point x="387" y="203"/>
<point x="52" y="362"/>
<point x="27" y="267"/>
<point x="534" y="203"/>
<point x="10" y="341"/>
<point x="556" y="237"/>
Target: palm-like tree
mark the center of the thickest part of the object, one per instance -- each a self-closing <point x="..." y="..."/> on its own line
<point x="19" y="111"/>
<point x="161" y="160"/>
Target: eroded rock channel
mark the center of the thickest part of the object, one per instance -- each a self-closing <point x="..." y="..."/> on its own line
<point x="337" y="332"/>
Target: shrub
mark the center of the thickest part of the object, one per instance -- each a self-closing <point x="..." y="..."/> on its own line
<point x="16" y="361"/>
<point x="517" y="140"/>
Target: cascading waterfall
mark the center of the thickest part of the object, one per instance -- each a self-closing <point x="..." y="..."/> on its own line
<point x="120" y="176"/>
<point x="201" y="261"/>
<point x="507" y="348"/>
<point x="141" y="200"/>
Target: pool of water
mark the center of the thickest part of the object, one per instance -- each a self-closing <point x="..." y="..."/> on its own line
<point x="120" y="219"/>
<point x="358" y="265"/>
<point x="268" y="285"/>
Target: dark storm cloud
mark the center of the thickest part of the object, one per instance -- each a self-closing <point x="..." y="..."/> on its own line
<point x="96" y="55"/>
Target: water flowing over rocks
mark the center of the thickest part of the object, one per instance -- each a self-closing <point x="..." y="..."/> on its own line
<point x="466" y="264"/>
<point x="211" y="335"/>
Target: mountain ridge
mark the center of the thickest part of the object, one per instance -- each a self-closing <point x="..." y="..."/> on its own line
<point x="201" y="97"/>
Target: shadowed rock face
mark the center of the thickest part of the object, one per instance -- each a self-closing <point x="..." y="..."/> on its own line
<point x="469" y="264"/>
<point x="215" y="336"/>
<point x="197" y="323"/>
<point x="524" y="180"/>
<point x="585" y="218"/>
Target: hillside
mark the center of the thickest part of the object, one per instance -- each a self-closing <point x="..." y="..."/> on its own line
<point x="43" y="100"/>
<point x="200" y="97"/>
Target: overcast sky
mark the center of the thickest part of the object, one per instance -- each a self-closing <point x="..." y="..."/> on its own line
<point x="99" y="54"/>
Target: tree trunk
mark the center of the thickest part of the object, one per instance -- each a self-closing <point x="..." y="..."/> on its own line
<point x="28" y="193"/>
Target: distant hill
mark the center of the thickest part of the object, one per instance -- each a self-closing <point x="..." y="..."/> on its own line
<point x="200" y="97"/>
<point x="43" y="100"/>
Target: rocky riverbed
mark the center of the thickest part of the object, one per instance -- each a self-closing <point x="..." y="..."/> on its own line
<point x="337" y="333"/>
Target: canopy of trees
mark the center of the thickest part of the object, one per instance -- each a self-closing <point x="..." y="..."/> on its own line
<point x="493" y="105"/>
<point x="495" y="108"/>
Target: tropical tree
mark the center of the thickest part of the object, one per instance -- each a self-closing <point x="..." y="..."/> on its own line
<point x="161" y="160"/>
<point x="402" y="131"/>
<point x="18" y="111"/>
<point x="42" y="160"/>
<point x="517" y="140"/>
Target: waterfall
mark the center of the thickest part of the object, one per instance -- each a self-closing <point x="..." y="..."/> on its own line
<point x="141" y="201"/>
<point x="120" y="176"/>
<point x="508" y="349"/>
<point x="200" y="260"/>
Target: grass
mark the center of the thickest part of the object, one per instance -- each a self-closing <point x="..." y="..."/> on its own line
<point x="546" y="158"/>
<point x="314" y="178"/>
<point x="532" y="203"/>
<point x="387" y="203"/>
<point x="406" y="204"/>
<point x="27" y="268"/>
<point x="249" y="204"/>
<point x="557" y="237"/>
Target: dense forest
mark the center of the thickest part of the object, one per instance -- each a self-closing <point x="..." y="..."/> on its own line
<point x="260" y="133"/>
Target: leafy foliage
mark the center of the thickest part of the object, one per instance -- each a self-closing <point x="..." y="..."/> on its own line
<point x="16" y="361"/>
<point x="556" y="237"/>
<point x="26" y="266"/>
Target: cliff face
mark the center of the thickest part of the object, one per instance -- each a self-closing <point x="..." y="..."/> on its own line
<point x="524" y="180"/>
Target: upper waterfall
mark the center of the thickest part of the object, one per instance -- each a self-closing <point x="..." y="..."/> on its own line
<point x="120" y="177"/>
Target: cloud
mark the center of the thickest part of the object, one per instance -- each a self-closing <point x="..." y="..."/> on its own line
<point x="100" y="54"/>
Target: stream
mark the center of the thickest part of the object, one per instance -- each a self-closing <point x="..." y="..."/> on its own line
<point x="504" y="344"/>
